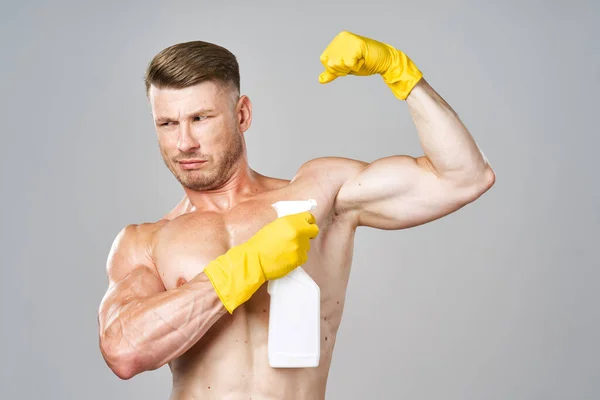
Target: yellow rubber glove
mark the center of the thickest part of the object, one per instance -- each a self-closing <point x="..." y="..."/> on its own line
<point x="351" y="54"/>
<point x="273" y="252"/>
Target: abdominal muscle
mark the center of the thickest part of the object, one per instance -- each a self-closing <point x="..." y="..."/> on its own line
<point x="230" y="362"/>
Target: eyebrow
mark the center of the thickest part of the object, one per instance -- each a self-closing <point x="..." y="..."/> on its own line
<point x="202" y="111"/>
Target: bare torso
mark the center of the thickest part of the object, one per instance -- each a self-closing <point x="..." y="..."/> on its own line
<point x="230" y="360"/>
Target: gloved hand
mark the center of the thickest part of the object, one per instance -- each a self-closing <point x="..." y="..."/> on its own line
<point x="273" y="252"/>
<point x="351" y="54"/>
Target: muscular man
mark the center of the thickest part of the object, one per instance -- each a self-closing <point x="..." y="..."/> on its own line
<point x="188" y="290"/>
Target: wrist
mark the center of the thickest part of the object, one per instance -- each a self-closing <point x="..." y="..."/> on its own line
<point x="402" y="75"/>
<point x="236" y="275"/>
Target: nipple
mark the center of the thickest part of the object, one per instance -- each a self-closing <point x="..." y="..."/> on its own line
<point x="181" y="281"/>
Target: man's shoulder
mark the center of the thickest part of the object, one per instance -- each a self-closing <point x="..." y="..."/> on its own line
<point x="140" y="230"/>
<point x="135" y="236"/>
<point x="131" y="248"/>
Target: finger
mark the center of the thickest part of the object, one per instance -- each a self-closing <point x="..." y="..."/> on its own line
<point x="349" y="62"/>
<point x="327" y="77"/>
<point x="337" y="66"/>
<point x="313" y="231"/>
<point x="308" y="217"/>
<point x="359" y="64"/>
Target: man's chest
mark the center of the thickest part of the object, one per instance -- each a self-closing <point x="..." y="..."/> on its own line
<point x="185" y="245"/>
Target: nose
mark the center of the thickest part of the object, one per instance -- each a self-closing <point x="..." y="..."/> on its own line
<point x="186" y="141"/>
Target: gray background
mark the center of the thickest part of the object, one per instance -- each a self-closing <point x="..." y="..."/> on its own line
<point x="496" y="301"/>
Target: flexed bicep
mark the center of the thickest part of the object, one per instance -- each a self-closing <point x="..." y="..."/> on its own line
<point x="398" y="192"/>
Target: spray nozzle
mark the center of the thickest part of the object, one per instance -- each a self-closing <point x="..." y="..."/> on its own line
<point x="286" y="207"/>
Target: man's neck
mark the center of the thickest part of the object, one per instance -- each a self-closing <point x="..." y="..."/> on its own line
<point x="243" y="183"/>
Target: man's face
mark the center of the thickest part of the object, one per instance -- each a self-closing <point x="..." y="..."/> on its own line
<point x="198" y="133"/>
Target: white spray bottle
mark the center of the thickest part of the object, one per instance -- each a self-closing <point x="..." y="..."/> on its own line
<point x="295" y="310"/>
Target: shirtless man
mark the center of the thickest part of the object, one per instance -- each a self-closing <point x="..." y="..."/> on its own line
<point x="188" y="290"/>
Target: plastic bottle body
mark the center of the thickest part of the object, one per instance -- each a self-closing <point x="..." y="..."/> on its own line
<point x="295" y="310"/>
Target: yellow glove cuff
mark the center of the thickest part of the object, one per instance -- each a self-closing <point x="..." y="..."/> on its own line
<point x="402" y="75"/>
<point x="236" y="275"/>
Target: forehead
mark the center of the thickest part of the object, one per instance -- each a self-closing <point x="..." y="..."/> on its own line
<point x="203" y="95"/>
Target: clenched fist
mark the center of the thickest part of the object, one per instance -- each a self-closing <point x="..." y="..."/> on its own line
<point x="284" y="243"/>
<point x="273" y="252"/>
<point x="351" y="54"/>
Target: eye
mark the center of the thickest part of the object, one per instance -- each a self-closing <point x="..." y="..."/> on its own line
<point x="199" y="117"/>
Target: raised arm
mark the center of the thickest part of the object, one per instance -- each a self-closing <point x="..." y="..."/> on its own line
<point x="401" y="191"/>
<point x="142" y="325"/>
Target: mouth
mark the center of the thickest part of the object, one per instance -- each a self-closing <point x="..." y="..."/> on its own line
<point x="191" y="164"/>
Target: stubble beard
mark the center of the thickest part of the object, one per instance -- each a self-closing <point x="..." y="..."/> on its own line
<point x="215" y="176"/>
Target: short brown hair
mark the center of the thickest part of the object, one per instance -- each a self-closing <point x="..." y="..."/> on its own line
<point x="190" y="63"/>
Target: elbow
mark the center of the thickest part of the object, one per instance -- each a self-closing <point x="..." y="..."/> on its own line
<point x="477" y="184"/>
<point x="120" y="358"/>
<point x="487" y="180"/>
<point x="125" y="370"/>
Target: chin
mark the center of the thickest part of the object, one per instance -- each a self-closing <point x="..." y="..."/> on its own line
<point x="204" y="184"/>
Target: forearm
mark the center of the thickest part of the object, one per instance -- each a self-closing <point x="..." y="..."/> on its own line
<point x="148" y="332"/>
<point x="447" y="143"/>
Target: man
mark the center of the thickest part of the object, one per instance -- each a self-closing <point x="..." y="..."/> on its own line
<point x="188" y="290"/>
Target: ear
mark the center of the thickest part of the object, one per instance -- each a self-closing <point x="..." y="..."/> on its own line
<point x="244" y="113"/>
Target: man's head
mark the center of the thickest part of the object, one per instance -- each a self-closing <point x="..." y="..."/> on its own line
<point x="194" y="91"/>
